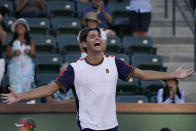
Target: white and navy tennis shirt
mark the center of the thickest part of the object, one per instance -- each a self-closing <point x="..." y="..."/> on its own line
<point x="94" y="87"/>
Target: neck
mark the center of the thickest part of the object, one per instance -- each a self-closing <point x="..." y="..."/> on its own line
<point x="94" y="59"/>
<point x="20" y="36"/>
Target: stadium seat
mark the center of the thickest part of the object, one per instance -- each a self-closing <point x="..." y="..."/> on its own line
<point x="68" y="43"/>
<point x="8" y="5"/>
<point x="48" y="63"/>
<point x="80" y="7"/>
<point x="9" y="21"/>
<point x="45" y="78"/>
<point x="131" y="99"/>
<point x="153" y="99"/>
<point x="121" y="25"/>
<point x="39" y="25"/>
<point x="44" y="43"/>
<point x="60" y="9"/>
<point x="119" y="9"/>
<point x="147" y="62"/>
<point x="113" y="44"/>
<point x="138" y="45"/>
<point x="72" y="57"/>
<point x="128" y="88"/>
<point x="151" y="87"/>
<point x="66" y="25"/>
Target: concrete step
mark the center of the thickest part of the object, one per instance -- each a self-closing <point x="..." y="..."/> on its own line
<point x="167" y="31"/>
<point x="162" y="22"/>
<point x="172" y="66"/>
<point x="177" y="57"/>
<point x="173" y="48"/>
<point x="172" y="39"/>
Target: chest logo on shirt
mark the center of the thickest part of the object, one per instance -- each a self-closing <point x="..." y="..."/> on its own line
<point x="107" y="70"/>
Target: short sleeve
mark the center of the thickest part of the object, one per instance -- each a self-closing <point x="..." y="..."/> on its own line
<point x="125" y="70"/>
<point x="66" y="79"/>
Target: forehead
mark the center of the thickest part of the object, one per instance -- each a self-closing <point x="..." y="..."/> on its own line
<point x="171" y="81"/>
<point x="20" y="24"/>
<point x="93" y="32"/>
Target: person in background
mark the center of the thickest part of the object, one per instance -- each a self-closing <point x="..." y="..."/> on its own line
<point x="165" y="129"/>
<point x="26" y="124"/>
<point x="20" y="51"/>
<point x="91" y="20"/>
<point x="140" y="16"/>
<point x="103" y="13"/>
<point x="59" y="97"/>
<point x="30" y="8"/>
<point x="171" y="93"/>
<point x="3" y="36"/>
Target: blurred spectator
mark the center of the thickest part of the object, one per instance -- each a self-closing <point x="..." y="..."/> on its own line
<point x="59" y="97"/>
<point x="30" y="8"/>
<point x="21" y="50"/>
<point x="140" y="16"/>
<point x="171" y="93"/>
<point x="26" y="124"/>
<point x="165" y="129"/>
<point x="3" y="36"/>
<point x="103" y="13"/>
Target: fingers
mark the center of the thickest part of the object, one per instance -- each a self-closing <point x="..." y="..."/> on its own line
<point x="11" y="89"/>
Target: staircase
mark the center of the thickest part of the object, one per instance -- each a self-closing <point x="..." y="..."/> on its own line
<point x="175" y="50"/>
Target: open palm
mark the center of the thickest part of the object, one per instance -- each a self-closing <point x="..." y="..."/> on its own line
<point x="12" y="97"/>
<point x="180" y="73"/>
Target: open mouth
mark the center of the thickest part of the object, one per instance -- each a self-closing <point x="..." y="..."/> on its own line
<point x="97" y="44"/>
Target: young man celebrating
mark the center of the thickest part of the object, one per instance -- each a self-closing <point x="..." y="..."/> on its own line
<point x="93" y="80"/>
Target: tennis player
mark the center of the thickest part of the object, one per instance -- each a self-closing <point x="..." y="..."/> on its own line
<point x="93" y="81"/>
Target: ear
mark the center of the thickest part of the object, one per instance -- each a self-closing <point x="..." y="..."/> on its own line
<point x="84" y="44"/>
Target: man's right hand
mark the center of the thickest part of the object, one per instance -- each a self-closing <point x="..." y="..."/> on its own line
<point x="12" y="97"/>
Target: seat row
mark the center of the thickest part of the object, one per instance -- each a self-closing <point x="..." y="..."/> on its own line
<point x="73" y="9"/>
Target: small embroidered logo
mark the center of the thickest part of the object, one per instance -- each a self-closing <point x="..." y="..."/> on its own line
<point x="107" y="70"/>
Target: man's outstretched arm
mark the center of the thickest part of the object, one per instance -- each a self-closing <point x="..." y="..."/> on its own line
<point x="40" y="92"/>
<point x="155" y="75"/>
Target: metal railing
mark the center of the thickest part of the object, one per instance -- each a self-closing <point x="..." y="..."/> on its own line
<point x="175" y="4"/>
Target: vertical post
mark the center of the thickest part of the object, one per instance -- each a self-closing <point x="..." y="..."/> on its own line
<point x="195" y="43"/>
<point x="174" y="17"/>
<point x="166" y="9"/>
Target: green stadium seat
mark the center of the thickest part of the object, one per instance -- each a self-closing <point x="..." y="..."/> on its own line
<point x="8" y="5"/>
<point x="68" y="43"/>
<point x="121" y="25"/>
<point x="60" y="9"/>
<point x="39" y="25"/>
<point x="153" y="99"/>
<point x="80" y="7"/>
<point x="45" y="78"/>
<point x="119" y="9"/>
<point x="113" y="44"/>
<point x="131" y="99"/>
<point x="147" y="62"/>
<point x="138" y="45"/>
<point x="151" y="87"/>
<point x="44" y="43"/>
<point x="48" y="63"/>
<point x="72" y="57"/>
<point x="9" y="21"/>
<point x="128" y="88"/>
<point x="66" y="26"/>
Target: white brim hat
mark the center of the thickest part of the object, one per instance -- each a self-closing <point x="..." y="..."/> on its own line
<point x="18" y="21"/>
